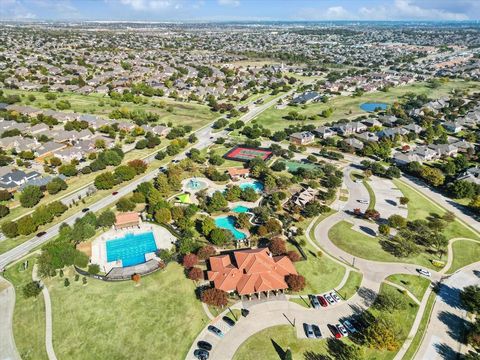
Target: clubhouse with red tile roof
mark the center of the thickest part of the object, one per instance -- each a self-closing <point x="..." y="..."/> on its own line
<point x="249" y="272"/>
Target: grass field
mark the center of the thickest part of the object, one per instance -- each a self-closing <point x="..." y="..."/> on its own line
<point x="29" y="315"/>
<point x="419" y="207"/>
<point x="271" y="343"/>
<point x="416" y="284"/>
<point x="349" y="107"/>
<point x="366" y="247"/>
<point x="464" y="253"/>
<point x="352" y="285"/>
<point x="178" y="113"/>
<point x="417" y="339"/>
<point x="122" y="321"/>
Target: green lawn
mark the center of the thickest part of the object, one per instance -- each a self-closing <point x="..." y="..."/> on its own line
<point x="29" y="315"/>
<point x="349" y="107"/>
<point x="271" y="343"/>
<point x="366" y="247"/>
<point x="179" y="113"/>
<point x="416" y="284"/>
<point x="122" y="321"/>
<point x="351" y="286"/>
<point x="371" y="194"/>
<point x="464" y="253"/>
<point x="419" y="207"/>
<point x="417" y="340"/>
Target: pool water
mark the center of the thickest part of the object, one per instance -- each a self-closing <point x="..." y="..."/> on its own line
<point x="240" y="209"/>
<point x="255" y="185"/>
<point x="228" y="222"/>
<point x="131" y="248"/>
<point x="372" y="106"/>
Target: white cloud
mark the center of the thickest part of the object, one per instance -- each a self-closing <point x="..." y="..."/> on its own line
<point x="234" y="3"/>
<point x="337" y="13"/>
<point x="143" y="5"/>
<point x="15" y="10"/>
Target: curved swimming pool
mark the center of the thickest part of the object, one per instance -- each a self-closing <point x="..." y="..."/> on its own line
<point x="228" y="222"/>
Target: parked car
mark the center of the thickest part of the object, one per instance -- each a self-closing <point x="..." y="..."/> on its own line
<point x="424" y="272"/>
<point x="245" y="312"/>
<point x="358" y="181"/>
<point x="41" y="233"/>
<point x="215" y="330"/>
<point x="329" y="298"/>
<point x="333" y="329"/>
<point x="201" y="354"/>
<point x="316" y="331"/>
<point x="314" y="301"/>
<point x="230" y="322"/>
<point x="84" y="210"/>
<point x="114" y="193"/>
<point x="363" y="201"/>
<point x="204" y="345"/>
<point x="349" y="326"/>
<point x="322" y="301"/>
<point x="308" y="330"/>
<point x="335" y="297"/>
<point x="342" y="330"/>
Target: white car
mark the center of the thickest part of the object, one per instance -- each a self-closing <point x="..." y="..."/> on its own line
<point x="335" y="297"/>
<point x="342" y="330"/>
<point x="363" y="201"/>
<point x="349" y="326"/>
<point x="424" y="272"/>
<point x="358" y="181"/>
<point x="329" y="298"/>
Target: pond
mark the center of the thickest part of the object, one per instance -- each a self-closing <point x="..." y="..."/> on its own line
<point x="373" y="106"/>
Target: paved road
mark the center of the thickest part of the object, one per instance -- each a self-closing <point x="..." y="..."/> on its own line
<point x="205" y="138"/>
<point x="8" y="350"/>
<point x="444" y="334"/>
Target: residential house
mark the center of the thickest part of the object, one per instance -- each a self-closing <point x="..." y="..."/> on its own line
<point x="47" y="149"/>
<point x="302" y="138"/>
<point x="324" y="132"/>
<point x="471" y="175"/>
<point x="425" y="153"/>
<point x="67" y="154"/>
<point x="444" y="150"/>
<point x="306" y="97"/>
<point x="452" y="126"/>
<point x="15" y="178"/>
<point x="355" y="143"/>
<point x="367" y="136"/>
<point x="371" y="122"/>
<point x="417" y="129"/>
<point x="406" y="158"/>
<point x="350" y="128"/>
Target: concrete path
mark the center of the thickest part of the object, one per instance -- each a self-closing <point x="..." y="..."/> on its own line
<point x="48" y="316"/>
<point x="8" y="350"/>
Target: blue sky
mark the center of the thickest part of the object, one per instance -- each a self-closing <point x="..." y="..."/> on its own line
<point x="231" y="10"/>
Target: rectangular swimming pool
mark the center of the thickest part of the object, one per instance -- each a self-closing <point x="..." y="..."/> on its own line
<point x="131" y="248"/>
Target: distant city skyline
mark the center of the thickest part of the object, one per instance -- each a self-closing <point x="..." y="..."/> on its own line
<point x="239" y="10"/>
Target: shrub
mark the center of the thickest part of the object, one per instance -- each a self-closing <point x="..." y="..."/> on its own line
<point x="214" y="297"/>
<point x="32" y="289"/>
<point x="66" y="282"/>
<point x="205" y="252"/>
<point x="93" y="269"/>
<point x="277" y="246"/>
<point x="294" y="256"/>
<point x="189" y="261"/>
<point x="295" y="282"/>
<point x="195" y="274"/>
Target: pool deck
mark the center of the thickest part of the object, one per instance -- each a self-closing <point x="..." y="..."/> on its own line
<point x="163" y="240"/>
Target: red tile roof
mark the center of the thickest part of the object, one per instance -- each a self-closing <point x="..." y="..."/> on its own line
<point x="251" y="271"/>
<point x="126" y="218"/>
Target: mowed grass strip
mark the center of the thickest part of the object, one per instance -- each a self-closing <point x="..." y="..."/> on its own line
<point x="464" y="253"/>
<point x="29" y="314"/>
<point x="351" y="286"/>
<point x="118" y="320"/>
<point x="416" y="284"/>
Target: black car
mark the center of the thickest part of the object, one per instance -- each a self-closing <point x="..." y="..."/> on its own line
<point x="204" y="345"/>
<point x="316" y="331"/>
<point x="41" y="233"/>
<point x="245" y="312"/>
<point x="85" y="210"/>
<point x="201" y="354"/>
<point x="230" y="322"/>
<point x="215" y="330"/>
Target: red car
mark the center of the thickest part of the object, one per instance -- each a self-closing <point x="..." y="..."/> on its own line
<point x="115" y="193"/>
<point x="322" y="301"/>
<point x="333" y="329"/>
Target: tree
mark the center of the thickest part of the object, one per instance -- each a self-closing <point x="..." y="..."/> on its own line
<point x="4" y="211"/>
<point x="295" y="282"/>
<point x="195" y="274"/>
<point x="470" y="298"/>
<point x="205" y="252"/>
<point x="56" y="185"/>
<point x="313" y="208"/>
<point x="294" y="256"/>
<point x="125" y="172"/>
<point x="215" y="297"/>
<point x="93" y="269"/>
<point x="390" y="301"/>
<point x="243" y="221"/>
<point x="221" y="237"/>
<point x="381" y="335"/>
<point x="106" y="219"/>
<point x="473" y="334"/>
<point x="277" y="246"/>
<point x="217" y="202"/>
<point x="5" y="195"/>
<point x="163" y="216"/>
<point x="125" y="204"/>
<point x="384" y="229"/>
<point x="140" y="166"/>
<point x="32" y="289"/>
<point x="104" y="181"/>
<point x="68" y="170"/>
<point x="433" y="176"/>
<point x="10" y="229"/>
<point x="30" y="196"/>
<point x="288" y="355"/>
<point x="397" y="221"/>
<point x="404" y="200"/>
<point x="189" y="261"/>
<point x="207" y="225"/>
<point x="449" y="216"/>
<point x="26" y="225"/>
<point x="371" y="214"/>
